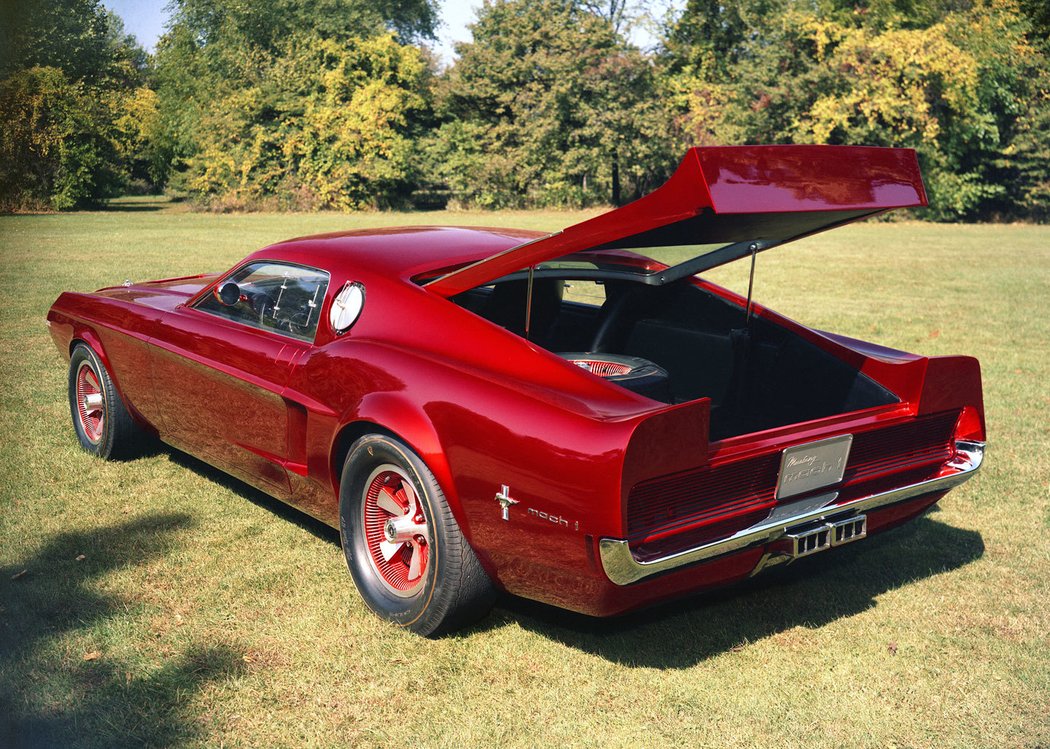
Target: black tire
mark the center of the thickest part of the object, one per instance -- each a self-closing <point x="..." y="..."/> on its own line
<point x="449" y="588"/>
<point x="100" y="419"/>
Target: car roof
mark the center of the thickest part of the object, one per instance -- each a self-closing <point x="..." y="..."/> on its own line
<point x="405" y="251"/>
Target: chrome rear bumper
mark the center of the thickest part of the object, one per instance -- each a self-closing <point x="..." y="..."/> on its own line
<point x="623" y="568"/>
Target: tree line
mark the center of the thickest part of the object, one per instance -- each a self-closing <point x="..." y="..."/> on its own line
<point x="342" y="104"/>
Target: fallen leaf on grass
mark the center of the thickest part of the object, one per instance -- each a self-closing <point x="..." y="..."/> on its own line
<point x="891" y="648"/>
<point x="18" y="574"/>
<point x="94" y="655"/>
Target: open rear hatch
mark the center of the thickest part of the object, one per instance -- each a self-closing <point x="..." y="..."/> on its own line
<point x="813" y="431"/>
<point x="671" y="340"/>
<point x="728" y="202"/>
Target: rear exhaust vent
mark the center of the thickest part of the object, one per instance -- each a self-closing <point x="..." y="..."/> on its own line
<point x="809" y="541"/>
<point x="850" y="529"/>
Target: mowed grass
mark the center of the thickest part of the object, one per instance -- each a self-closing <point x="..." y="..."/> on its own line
<point x="156" y="603"/>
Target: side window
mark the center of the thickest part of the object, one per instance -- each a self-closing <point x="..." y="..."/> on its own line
<point x="273" y="296"/>
<point x="585" y="292"/>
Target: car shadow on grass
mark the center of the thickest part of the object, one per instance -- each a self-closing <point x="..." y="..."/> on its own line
<point x="66" y="676"/>
<point x="810" y="593"/>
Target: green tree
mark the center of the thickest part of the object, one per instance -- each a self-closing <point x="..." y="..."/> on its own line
<point x="71" y="35"/>
<point x="68" y="75"/>
<point x="1025" y="163"/>
<point x="954" y="83"/>
<point x="294" y="103"/>
<point x="1038" y="12"/>
<point x="547" y="106"/>
<point x="328" y="128"/>
<point x="57" y="149"/>
<point x="267" y="25"/>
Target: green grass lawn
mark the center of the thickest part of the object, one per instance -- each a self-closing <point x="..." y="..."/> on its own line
<point x="158" y="603"/>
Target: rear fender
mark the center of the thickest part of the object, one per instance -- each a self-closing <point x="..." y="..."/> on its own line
<point x="406" y="421"/>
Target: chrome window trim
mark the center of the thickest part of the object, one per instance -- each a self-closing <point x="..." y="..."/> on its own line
<point x="623" y="568"/>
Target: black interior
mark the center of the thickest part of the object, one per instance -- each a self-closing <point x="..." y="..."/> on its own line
<point x="758" y="376"/>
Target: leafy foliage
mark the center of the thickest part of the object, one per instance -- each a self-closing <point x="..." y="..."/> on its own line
<point x="337" y="104"/>
<point x="546" y="106"/>
<point x="52" y="147"/>
<point x="71" y="35"/>
<point x="955" y="85"/>
<point x="73" y="106"/>
<point x="327" y="128"/>
<point x="319" y="118"/>
<point x="266" y="25"/>
<point x="1026" y="162"/>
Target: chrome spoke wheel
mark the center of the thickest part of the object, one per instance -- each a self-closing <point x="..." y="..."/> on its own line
<point x="402" y="543"/>
<point x="91" y="403"/>
<point x="396" y="530"/>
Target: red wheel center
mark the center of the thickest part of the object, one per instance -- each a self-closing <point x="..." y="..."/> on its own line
<point x="396" y="531"/>
<point x="91" y="403"/>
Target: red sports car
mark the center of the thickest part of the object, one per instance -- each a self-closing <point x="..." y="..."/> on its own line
<point x="558" y="416"/>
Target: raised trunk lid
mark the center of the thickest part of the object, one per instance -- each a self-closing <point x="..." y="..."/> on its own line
<point x="734" y="200"/>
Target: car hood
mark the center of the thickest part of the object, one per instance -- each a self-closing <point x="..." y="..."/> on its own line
<point x="728" y="202"/>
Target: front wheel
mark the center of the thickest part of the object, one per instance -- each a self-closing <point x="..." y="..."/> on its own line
<point x="101" y="421"/>
<point x="402" y="543"/>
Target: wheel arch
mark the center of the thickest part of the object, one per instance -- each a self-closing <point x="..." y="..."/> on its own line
<point x="89" y="338"/>
<point x="383" y="413"/>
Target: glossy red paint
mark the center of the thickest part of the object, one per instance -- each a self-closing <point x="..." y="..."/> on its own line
<point x="485" y="408"/>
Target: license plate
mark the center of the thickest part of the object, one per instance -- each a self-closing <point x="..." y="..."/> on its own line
<point x="813" y="465"/>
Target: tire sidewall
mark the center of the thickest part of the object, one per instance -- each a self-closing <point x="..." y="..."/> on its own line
<point x="366" y="455"/>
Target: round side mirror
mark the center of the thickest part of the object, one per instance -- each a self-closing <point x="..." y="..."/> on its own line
<point x="229" y="293"/>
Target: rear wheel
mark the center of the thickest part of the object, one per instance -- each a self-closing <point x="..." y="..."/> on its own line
<point x="101" y="421"/>
<point x="402" y="543"/>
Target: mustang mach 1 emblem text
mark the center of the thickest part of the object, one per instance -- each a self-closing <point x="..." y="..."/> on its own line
<point x="813" y="465"/>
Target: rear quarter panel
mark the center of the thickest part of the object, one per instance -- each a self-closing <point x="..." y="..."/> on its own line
<point x="484" y="409"/>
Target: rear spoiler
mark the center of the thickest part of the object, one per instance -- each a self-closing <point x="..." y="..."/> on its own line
<point x="747" y="198"/>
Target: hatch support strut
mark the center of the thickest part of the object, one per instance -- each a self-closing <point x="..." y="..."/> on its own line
<point x="750" y="285"/>
<point x="528" y="300"/>
<point x="740" y="340"/>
